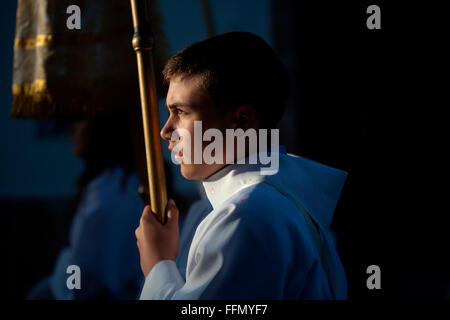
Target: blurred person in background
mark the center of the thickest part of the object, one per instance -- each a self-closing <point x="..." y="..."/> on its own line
<point x="107" y="211"/>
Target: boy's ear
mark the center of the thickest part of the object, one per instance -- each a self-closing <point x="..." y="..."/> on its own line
<point x="245" y="117"/>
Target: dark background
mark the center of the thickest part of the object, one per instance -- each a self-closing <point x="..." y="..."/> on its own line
<point x="365" y="101"/>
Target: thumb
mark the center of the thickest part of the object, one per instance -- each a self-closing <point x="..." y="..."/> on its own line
<point x="172" y="214"/>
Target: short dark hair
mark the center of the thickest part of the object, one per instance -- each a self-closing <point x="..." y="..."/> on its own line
<point x="237" y="68"/>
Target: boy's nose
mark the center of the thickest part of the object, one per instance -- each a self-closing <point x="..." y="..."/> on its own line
<point x="166" y="131"/>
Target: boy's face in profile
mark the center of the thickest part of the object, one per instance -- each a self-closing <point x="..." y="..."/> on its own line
<point x="187" y="102"/>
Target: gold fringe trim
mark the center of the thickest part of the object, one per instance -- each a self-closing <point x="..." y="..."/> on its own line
<point x="41" y="100"/>
<point x="45" y="40"/>
<point x="42" y="40"/>
<point x="39" y="85"/>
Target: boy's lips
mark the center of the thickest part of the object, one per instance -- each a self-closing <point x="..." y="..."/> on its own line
<point x="178" y="156"/>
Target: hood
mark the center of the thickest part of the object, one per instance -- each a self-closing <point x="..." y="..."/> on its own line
<point x="316" y="186"/>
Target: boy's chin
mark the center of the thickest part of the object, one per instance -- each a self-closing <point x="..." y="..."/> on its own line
<point x="191" y="171"/>
<point x="198" y="171"/>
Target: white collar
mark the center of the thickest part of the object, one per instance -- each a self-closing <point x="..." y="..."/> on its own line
<point x="229" y="180"/>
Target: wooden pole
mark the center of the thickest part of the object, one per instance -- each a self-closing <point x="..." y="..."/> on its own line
<point x="143" y="42"/>
<point x="207" y="17"/>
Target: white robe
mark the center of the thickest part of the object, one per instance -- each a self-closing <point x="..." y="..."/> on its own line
<point x="267" y="237"/>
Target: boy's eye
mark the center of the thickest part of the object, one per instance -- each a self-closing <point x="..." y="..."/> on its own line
<point x="180" y="112"/>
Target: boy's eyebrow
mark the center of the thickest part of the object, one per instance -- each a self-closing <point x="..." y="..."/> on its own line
<point x="177" y="105"/>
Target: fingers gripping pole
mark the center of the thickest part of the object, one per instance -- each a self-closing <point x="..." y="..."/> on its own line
<point x="143" y="41"/>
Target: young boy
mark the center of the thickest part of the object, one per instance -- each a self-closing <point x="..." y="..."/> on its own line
<point x="267" y="236"/>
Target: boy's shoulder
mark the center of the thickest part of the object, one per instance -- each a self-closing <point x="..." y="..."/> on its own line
<point x="261" y="216"/>
<point x="262" y="204"/>
<point x="259" y="196"/>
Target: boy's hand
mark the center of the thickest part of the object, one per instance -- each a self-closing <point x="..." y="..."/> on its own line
<point x="155" y="241"/>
